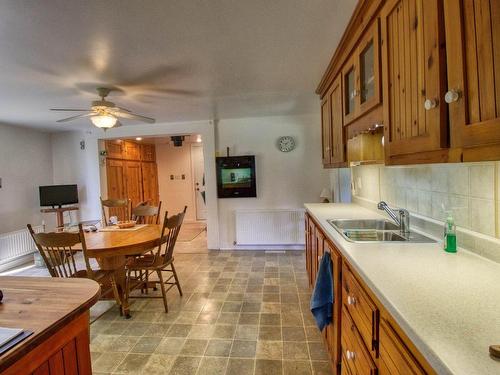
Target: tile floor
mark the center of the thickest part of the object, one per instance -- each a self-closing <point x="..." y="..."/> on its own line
<point x="242" y="313"/>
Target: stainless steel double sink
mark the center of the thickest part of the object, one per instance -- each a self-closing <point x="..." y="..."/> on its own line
<point x="375" y="230"/>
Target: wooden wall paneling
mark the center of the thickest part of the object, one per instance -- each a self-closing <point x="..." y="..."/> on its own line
<point x="150" y="189"/>
<point x="473" y="53"/>
<point x="133" y="178"/>
<point x="114" y="149"/>
<point x="117" y="187"/>
<point x="131" y="150"/>
<point x="148" y="152"/>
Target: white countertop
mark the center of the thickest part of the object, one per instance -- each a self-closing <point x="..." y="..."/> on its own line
<point x="447" y="304"/>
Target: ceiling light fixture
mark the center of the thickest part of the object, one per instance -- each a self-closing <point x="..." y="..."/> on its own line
<point x="104" y="121"/>
<point x="138" y="138"/>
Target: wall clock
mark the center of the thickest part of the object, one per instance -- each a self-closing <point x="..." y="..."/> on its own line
<point x="286" y="143"/>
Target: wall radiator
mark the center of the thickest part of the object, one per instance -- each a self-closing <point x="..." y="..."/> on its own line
<point x="270" y="227"/>
<point x="16" y="246"/>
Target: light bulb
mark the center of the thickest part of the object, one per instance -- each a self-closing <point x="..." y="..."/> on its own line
<point x="103" y="121"/>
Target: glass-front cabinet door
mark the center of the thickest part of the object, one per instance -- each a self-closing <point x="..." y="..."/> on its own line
<point x="369" y="69"/>
<point x="350" y="91"/>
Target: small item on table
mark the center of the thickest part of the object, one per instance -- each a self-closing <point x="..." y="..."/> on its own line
<point x="495" y="351"/>
<point x="126" y="224"/>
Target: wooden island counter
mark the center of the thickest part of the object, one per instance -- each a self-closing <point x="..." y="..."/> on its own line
<point x="57" y="312"/>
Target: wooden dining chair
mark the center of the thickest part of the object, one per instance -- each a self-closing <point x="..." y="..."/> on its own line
<point x="162" y="260"/>
<point x="144" y="213"/>
<point x="58" y="253"/>
<point x="120" y="206"/>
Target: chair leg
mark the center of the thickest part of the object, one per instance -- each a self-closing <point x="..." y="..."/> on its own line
<point x="127" y="289"/>
<point x="163" y="292"/>
<point x="176" y="279"/>
<point x="116" y="294"/>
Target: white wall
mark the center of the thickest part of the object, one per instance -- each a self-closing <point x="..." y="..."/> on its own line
<point x="25" y="164"/>
<point x="284" y="180"/>
<point x="177" y="193"/>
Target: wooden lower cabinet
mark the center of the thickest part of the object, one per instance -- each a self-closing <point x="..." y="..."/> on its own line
<point x="395" y="358"/>
<point x="363" y="338"/>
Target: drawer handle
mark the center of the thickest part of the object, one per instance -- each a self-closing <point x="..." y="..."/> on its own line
<point x="351" y="300"/>
<point x="350" y="355"/>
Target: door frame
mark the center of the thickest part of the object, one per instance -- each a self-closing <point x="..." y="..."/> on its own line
<point x="91" y="208"/>
<point x="193" y="182"/>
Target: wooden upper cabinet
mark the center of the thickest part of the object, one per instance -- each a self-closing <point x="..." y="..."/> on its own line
<point x="413" y="72"/>
<point x="332" y="131"/>
<point x="337" y="134"/>
<point x="361" y="76"/>
<point x="114" y="149"/>
<point x="148" y="152"/>
<point x="473" y="55"/>
<point x="369" y="69"/>
<point x="131" y="150"/>
<point x="326" y="137"/>
<point x="350" y="91"/>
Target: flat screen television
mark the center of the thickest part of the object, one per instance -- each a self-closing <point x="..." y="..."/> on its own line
<point x="236" y="177"/>
<point x="58" y="195"/>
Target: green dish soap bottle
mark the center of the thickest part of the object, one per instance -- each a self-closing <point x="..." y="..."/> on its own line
<point x="450" y="235"/>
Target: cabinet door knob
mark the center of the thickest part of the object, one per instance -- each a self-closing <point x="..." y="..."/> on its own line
<point x="452" y="96"/>
<point x="350" y="355"/>
<point x="430" y="103"/>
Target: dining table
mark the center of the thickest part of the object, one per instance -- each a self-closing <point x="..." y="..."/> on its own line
<point x="111" y="247"/>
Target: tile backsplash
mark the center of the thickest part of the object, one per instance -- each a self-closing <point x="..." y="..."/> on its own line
<point x="470" y="190"/>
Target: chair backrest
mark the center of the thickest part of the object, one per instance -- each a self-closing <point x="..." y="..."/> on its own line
<point x="170" y="231"/>
<point x="119" y="207"/>
<point x="146" y="214"/>
<point x="58" y="253"/>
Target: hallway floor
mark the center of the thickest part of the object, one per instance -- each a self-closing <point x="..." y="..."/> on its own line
<point x="242" y="313"/>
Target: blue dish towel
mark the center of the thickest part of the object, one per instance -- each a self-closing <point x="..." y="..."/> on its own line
<point x="322" y="297"/>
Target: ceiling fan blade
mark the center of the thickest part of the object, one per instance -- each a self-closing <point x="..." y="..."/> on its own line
<point x="118" y="124"/>
<point x="133" y="116"/>
<point x="76" y="117"/>
<point x="69" y="110"/>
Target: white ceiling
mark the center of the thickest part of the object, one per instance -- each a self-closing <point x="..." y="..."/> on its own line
<point x="218" y="58"/>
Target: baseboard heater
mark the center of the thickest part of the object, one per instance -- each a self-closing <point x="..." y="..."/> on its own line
<point x="16" y="246"/>
<point x="270" y="227"/>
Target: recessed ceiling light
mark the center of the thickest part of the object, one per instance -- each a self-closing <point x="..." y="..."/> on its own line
<point x="138" y="139"/>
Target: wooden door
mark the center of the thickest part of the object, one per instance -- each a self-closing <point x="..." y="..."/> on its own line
<point x="473" y="55"/>
<point x="350" y="91"/>
<point x="333" y="329"/>
<point x="133" y="180"/>
<point x="337" y="137"/>
<point x="131" y="150"/>
<point x="326" y="137"/>
<point x="413" y="77"/>
<point x="368" y="63"/>
<point x="148" y="152"/>
<point x="114" y="149"/>
<point x="116" y="183"/>
<point x="150" y="189"/>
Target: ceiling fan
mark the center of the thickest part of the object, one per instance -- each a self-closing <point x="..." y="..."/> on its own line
<point x="103" y="113"/>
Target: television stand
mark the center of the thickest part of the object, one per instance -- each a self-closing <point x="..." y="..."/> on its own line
<point x="59" y="213"/>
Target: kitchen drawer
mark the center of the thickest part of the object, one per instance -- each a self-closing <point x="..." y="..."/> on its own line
<point x="362" y="309"/>
<point x="356" y="357"/>
<point x="395" y="358"/>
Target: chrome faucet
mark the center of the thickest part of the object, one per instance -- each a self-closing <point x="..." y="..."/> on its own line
<point x="403" y="220"/>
